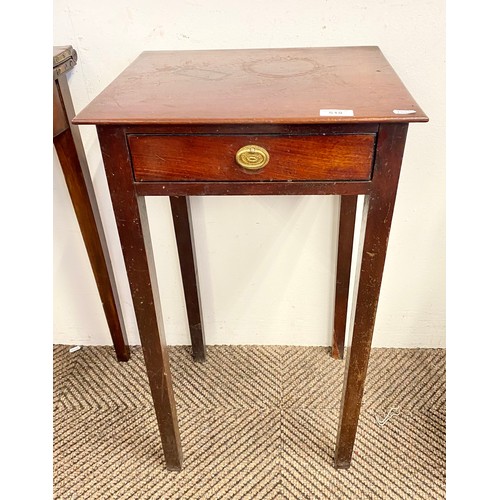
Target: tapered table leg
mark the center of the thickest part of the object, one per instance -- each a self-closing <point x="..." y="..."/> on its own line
<point x="69" y="148"/>
<point x="344" y="256"/>
<point x="377" y="217"/>
<point x="181" y="215"/>
<point x="132" y="222"/>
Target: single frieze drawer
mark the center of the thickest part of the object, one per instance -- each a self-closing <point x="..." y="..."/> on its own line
<point x="169" y="158"/>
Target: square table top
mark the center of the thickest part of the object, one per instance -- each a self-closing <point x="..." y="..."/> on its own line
<point x="251" y="86"/>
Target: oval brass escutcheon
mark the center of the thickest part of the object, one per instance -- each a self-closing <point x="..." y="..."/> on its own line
<point x="252" y="157"/>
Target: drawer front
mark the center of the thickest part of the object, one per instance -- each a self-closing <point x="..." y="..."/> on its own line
<point x="213" y="158"/>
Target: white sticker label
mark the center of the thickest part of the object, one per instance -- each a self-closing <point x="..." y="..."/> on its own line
<point x="403" y="111"/>
<point x="336" y="112"/>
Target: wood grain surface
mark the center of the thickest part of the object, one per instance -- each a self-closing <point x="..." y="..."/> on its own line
<point x="375" y="227"/>
<point x="135" y="238"/>
<point x="258" y="94"/>
<point x="255" y="86"/>
<point x="69" y="146"/>
<point x="212" y="158"/>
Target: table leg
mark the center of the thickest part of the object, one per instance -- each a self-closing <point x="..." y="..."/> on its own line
<point x="377" y="217"/>
<point x="181" y="214"/>
<point x="82" y="196"/>
<point x="344" y="256"/>
<point x="133" y="228"/>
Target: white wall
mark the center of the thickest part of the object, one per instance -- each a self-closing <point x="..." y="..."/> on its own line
<point x="265" y="263"/>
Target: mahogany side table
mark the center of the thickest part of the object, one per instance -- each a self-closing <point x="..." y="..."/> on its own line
<point x="69" y="148"/>
<point x="311" y="121"/>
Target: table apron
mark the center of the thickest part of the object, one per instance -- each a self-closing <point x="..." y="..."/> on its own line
<point x="251" y="188"/>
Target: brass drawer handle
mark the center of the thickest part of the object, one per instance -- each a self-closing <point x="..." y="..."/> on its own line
<point x="252" y="157"/>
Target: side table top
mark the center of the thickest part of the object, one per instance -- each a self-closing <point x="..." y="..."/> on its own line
<point x="292" y="86"/>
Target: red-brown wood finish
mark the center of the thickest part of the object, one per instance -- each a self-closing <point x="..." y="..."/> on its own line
<point x="234" y="188"/>
<point x="286" y="85"/>
<point x="68" y="144"/>
<point x="133" y="229"/>
<point x="181" y="215"/>
<point x="59" y="120"/>
<point x="347" y="217"/>
<point x="376" y="225"/>
<point x="211" y="158"/>
<point x="246" y="129"/>
<point x="204" y="97"/>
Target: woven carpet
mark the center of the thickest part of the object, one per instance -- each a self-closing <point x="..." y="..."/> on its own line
<point x="255" y="422"/>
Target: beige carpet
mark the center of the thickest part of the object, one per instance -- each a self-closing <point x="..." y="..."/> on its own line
<point x="256" y="422"/>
